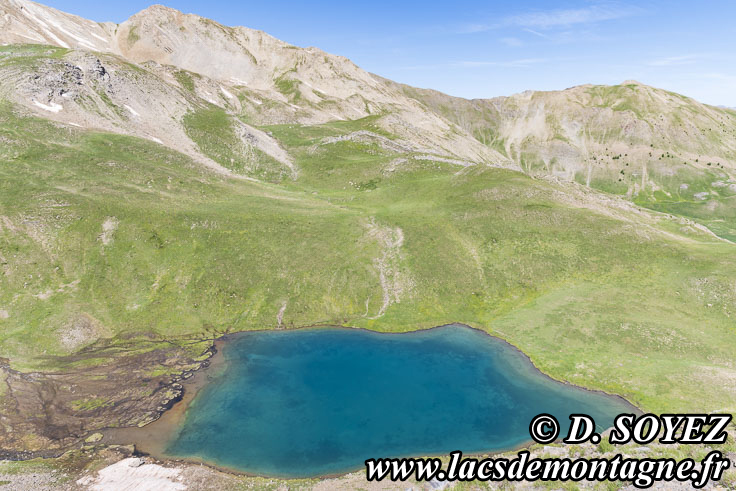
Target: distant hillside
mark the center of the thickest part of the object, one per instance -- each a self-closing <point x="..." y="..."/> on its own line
<point x="658" y="148"/>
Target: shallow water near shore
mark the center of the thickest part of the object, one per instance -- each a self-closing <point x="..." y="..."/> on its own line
<point x="314" y="402"/>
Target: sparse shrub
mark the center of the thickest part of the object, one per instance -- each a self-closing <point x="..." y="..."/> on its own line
<point x="605" y="446"/>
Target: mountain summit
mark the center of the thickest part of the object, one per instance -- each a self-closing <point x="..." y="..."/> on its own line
<point x="240" y="69"/>
<point x="628" y="139"/>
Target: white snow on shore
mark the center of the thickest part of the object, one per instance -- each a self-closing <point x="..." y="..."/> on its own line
<point x="133" y="474"/>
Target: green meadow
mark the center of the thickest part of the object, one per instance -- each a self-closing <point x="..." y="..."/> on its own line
<point x="108" y="236"/>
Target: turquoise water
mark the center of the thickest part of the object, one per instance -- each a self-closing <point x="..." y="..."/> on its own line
<point x="321" y="401"/>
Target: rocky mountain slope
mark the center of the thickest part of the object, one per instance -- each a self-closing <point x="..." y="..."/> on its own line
<point x="630" y="139"/>
<point x="633" y="140"/>
<point x="248" y="73"/>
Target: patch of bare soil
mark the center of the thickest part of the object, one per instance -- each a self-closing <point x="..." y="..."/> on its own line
<point x="43" y="414"/>
<point x="394" y="278"/>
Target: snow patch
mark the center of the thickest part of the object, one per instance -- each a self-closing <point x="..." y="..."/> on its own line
<point x="227" y="94"/>
<point x="80" y="40"/>
<point x="257" y="101"/>
<point x="32" y="38"/>
<point x="29" y="14"/>
<point x="34" y="14"/>
<point x="54" y="107"/>
<point x="53" y="36"/>
<point x="131" y="110"/>
<point x="100" y="38"/>
<point x="153" y="138"/>
<point x="134" y="473"/>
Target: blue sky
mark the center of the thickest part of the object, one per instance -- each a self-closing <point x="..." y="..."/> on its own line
<point x="485" y="48"/>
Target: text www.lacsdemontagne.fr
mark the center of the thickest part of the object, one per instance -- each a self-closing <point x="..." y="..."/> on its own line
<point x="642" y="473"/>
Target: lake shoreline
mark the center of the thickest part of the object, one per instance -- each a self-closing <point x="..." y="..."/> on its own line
<point x="150" y="439"/>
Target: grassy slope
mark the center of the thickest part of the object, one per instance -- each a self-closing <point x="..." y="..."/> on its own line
<point x="213" y="130"/>
<point x="592" y="299"/>
<point x="190" y="253"/>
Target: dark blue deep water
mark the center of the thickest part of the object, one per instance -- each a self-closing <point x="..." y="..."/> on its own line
<point x="321" y="401"/>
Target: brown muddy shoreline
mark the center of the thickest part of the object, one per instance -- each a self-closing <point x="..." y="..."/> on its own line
<point x="45" y="414"/>
<point x="150" y="440"/>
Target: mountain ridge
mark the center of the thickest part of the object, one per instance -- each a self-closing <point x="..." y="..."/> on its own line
<point x="648" y="145"/>
<point x="309" y="86"/>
